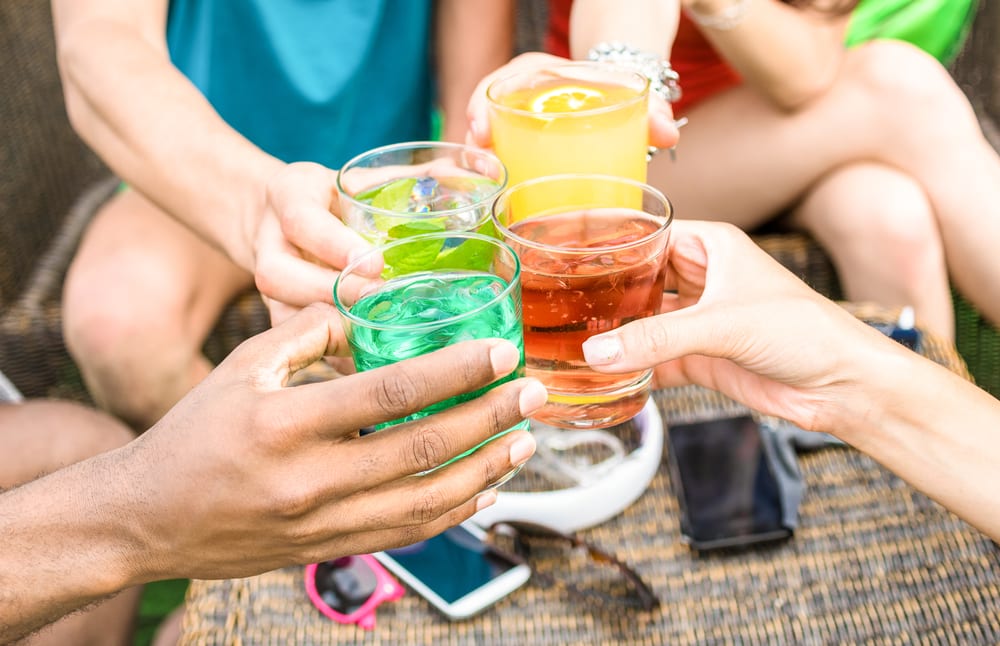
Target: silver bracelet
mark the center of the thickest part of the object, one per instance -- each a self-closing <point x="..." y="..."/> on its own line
<point x="662" y="78"/>
<point x="728" y="18"/>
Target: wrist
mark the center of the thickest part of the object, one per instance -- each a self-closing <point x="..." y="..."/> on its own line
<point x="663" y="80"/>
<point x="721" y="15"/>
<point x="69" y="538"/>
<point x="881" y="394"/>
<point x="254" y="211"/>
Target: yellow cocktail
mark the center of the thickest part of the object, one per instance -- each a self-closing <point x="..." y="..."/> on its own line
<point x="571" y="118"/>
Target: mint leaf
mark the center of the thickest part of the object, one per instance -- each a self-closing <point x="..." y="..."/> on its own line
<point x="408" y="258"/>
<point x="395" y="196"/>
<point x="416" y="228"/>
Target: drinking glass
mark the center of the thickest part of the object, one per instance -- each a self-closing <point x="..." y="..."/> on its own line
<point x="593" y="251"/>
<point x="579" y="117"/>
<point x="436" y="289"/>
<point x="419" y="187"/>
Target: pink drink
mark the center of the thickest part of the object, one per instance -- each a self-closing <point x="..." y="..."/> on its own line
<point x="591" y="272"/>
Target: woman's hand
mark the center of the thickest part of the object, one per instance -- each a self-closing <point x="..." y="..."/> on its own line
<point x="742" y="324"/>
<point x="663" y="131"/>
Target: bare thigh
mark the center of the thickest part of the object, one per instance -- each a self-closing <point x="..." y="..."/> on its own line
<point x="743" y="160"/>
<point x="41" y="436"/>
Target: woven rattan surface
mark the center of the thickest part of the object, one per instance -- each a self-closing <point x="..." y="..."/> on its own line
<point x="872" y="561"/>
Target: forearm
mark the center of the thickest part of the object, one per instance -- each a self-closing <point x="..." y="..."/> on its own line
<point x="67" y="542"/>
<point x="931" y="427"/>
<point x="648" y="25"/>
<point x="472" y="38"/>
<point x="789" y="55"/>
<point x="158" y="133"/>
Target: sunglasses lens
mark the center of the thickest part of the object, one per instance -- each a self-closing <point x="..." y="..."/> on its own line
<point x="345" y="584"/>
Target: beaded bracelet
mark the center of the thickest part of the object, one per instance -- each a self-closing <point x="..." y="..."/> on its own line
<point x="728" y="18"/>
<point x="662" y="78"/>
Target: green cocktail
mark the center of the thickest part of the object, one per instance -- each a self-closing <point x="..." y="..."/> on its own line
<point x="442" y="288"/>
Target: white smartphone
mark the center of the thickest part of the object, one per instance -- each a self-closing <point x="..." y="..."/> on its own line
<point x="456" y="571"/>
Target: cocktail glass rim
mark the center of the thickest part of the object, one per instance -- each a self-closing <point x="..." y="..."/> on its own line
<point x="495" y="101"/>
<point x="512" y="284"/>
<point x="442" y="145"/>
<point x="504" y="197"/>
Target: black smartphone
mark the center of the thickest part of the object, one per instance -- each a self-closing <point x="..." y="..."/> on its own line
<point x="726" y="487"/>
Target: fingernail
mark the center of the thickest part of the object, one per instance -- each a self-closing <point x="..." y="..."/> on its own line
<point x="533" y="396"/>
<point x="602" y="350"/>
<point x="504" y="357"/>
<point x="522" y="449"/>
<point x="485" y="499"/>
<point x="667" y="123"/>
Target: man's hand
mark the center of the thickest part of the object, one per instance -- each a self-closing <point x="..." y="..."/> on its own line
<point x="246" y="475"/>
<point x="299" y="242"/>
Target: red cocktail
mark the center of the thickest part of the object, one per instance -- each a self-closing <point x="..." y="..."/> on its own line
<point x="587" y="268"/>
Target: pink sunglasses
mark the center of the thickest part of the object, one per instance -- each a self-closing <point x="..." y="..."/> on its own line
<point x="349" y="589"/>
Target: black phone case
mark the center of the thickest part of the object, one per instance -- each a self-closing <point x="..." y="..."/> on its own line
<point x="741" y="540"/>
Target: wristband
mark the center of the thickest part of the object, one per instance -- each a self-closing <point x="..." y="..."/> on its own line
<point x="728" y="18"/>
<point x="662" y="78"/>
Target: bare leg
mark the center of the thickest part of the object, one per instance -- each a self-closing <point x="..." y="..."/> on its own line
<point x="882" y="237"/>
<point x="743" y="161"/>
<point x="141" y="296"/>
<point x="39" y="437"/>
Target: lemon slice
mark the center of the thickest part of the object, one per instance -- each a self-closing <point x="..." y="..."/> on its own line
<point x="567" y="98"/>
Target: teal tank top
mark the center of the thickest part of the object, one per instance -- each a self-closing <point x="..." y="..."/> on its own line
<point x="310" y="80"/>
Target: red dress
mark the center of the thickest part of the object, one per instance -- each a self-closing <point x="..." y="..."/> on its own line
<point x="703" y="73"/>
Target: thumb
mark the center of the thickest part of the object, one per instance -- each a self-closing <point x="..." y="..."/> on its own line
<point x="651" y="341"/>
<point x="306" y="337"/>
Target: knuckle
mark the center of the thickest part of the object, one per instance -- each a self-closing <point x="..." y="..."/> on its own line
<point x="290" y="501"/>
<point x="429" y="448"/>
<point x="656" y="337"/>
<point x="413" y="534"/>
<point x="428" y="505"/>
<point x="397" y="395"/>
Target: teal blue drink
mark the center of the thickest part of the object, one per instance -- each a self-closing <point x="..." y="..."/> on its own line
<point x="436" y="289"/>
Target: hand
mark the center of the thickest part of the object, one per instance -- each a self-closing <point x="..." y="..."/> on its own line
<point x="741" y="324"/>
<point x="246" y="475"/>
<point x="663" y="132"/>
<point x="299" y="242"/>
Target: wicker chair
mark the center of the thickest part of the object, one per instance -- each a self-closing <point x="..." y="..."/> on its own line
<point x="52" y="185"/>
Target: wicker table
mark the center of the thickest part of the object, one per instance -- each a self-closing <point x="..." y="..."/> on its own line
<point x="873" y="560"/>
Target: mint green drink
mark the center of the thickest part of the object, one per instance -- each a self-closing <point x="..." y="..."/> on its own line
<point x="435" y="290"/>
<point x="427" y="311"/>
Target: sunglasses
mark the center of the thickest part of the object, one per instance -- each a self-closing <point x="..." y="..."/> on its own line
<point x="349" y="589"/>
<point x="615" y="582"/>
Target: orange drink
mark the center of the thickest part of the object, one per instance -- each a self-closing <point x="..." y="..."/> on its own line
<point x="571" y="118"/>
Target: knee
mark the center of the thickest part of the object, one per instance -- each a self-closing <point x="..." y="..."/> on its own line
<point x="41" y="436"/>
<point x="901" y="217"/>
<point x="115" y="313"/>
<point x="907" y="86"/>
